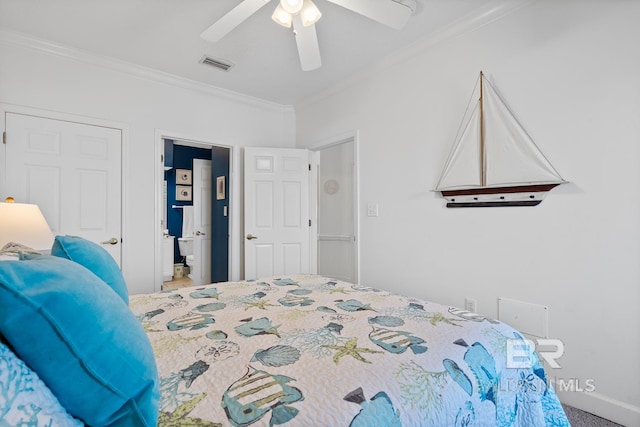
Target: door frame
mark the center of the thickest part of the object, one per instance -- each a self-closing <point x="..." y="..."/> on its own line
<point x="84" y="120"/>
<point x="315" y="149"/>
<point x="197" y="141"/>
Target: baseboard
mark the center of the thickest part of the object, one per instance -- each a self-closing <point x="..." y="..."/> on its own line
<point x="602" y="406"/>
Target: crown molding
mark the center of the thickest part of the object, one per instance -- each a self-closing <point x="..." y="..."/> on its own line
<point x="473" y="21"/>
<point x="477" y="19"/>
<point x="12" y="38"/>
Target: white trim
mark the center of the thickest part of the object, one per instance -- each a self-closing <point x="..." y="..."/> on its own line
<point x="334" y="140"/>
<point x="194" y="141"/>
<point x="601" y="405"/>
<point x="62" y="116"/>
<point x="334" y="238"/>
<point x="12" y="38"/>
<point x="473" y="21"/>
<point x="93" y="121"/>
<point x="467" y="24"/>
<point x="356" y="172"/>
<point x="314" y="161"/>
<point x="315" y="148"/>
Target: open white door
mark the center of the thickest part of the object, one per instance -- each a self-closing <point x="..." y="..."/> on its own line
<point x="276" y="212"/>
<point x="202" y="185"/>
<point x="72" y="172"/>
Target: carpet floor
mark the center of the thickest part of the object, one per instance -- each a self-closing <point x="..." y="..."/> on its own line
<point x="579" y="418"/>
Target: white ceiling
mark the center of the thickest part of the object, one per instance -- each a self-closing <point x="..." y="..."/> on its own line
<point x="165" y="35"/>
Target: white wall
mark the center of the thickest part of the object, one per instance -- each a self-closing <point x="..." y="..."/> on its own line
<point x="571" y="72"/>
<point x="52" y="78"/>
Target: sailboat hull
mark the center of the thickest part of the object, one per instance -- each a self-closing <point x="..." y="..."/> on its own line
<point x="485" y="197"/>
<point x="493" y="204"/>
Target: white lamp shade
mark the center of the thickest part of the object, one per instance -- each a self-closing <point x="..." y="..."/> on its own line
<point x="25" y="224"/>
<point x="282" y="17"/>
<point x="310" y="14"/>
<point x="291" y="6"/>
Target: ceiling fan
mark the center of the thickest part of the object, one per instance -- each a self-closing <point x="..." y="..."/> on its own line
<point x="303" y="14"/>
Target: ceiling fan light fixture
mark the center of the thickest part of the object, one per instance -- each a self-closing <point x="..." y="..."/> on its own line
<point x="291" y="6"/>
<point x="310" y="14"/>
<point x="282" y="17"/>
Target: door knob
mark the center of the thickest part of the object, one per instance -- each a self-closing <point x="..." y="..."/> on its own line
<point x="111" y="241"/>
<point x="251" y="237"/>
<point x="200" y="233"/>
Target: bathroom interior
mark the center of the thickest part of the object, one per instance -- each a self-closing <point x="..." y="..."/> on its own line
<point x="181" y="264"/>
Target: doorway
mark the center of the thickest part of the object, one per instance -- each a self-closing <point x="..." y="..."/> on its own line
<point x="337" y="209"/>
<point x="281" y="191"/>
<point x="193" y="224"/>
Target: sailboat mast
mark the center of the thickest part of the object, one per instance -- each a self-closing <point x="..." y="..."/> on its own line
<point x="483" y="163"/>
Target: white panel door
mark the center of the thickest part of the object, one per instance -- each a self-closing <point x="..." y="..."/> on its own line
<point x="72" y="171"/>
<point x="276" y="212"/>
<point x="202" y="185"/>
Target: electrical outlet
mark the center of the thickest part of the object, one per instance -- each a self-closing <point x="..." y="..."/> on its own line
<point x="470" y="305"/>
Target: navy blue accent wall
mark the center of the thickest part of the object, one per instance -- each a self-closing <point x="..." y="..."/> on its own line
<point x="219" y="222"/>
<point x="182" y="159"/>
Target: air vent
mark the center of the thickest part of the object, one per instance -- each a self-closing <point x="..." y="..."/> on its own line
<point x="218" y="63"/>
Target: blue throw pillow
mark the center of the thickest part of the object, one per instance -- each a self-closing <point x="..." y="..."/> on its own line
<point x="68" y="326"/>
<point x="26" y="400"/>
<point x="93" y="257"/>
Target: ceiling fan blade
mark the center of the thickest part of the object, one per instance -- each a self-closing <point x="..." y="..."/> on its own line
<point x="307" y="41"/>
<point x="232" y="19"/>
<point x="387" y="12"/>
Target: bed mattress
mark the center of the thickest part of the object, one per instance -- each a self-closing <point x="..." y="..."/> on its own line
<point x="314" y="351"/>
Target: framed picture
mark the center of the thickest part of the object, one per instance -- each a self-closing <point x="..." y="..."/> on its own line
<point x="183" y="177"/>
<point x="183" y="193"/>
<point x="220" y="188"/>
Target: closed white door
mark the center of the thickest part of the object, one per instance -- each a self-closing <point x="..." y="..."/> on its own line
<point x="276" y="217"/>
<point x="202" y="185"/>
<point x="72" y="171"/>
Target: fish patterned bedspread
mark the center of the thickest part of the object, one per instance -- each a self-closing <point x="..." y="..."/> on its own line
<point x="313" y="351"/>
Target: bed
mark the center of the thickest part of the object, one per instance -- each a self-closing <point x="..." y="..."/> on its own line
<point x="297" y="350"/>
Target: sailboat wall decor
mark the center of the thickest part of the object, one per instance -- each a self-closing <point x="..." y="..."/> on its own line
<point x="494" y="162"/>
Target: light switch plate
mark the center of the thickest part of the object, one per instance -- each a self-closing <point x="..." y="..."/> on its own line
<point x="372" y="209"/>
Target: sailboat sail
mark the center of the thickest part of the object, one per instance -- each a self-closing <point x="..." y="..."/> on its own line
<point x="494" y="156"/>
<point x="463" y="168"/>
